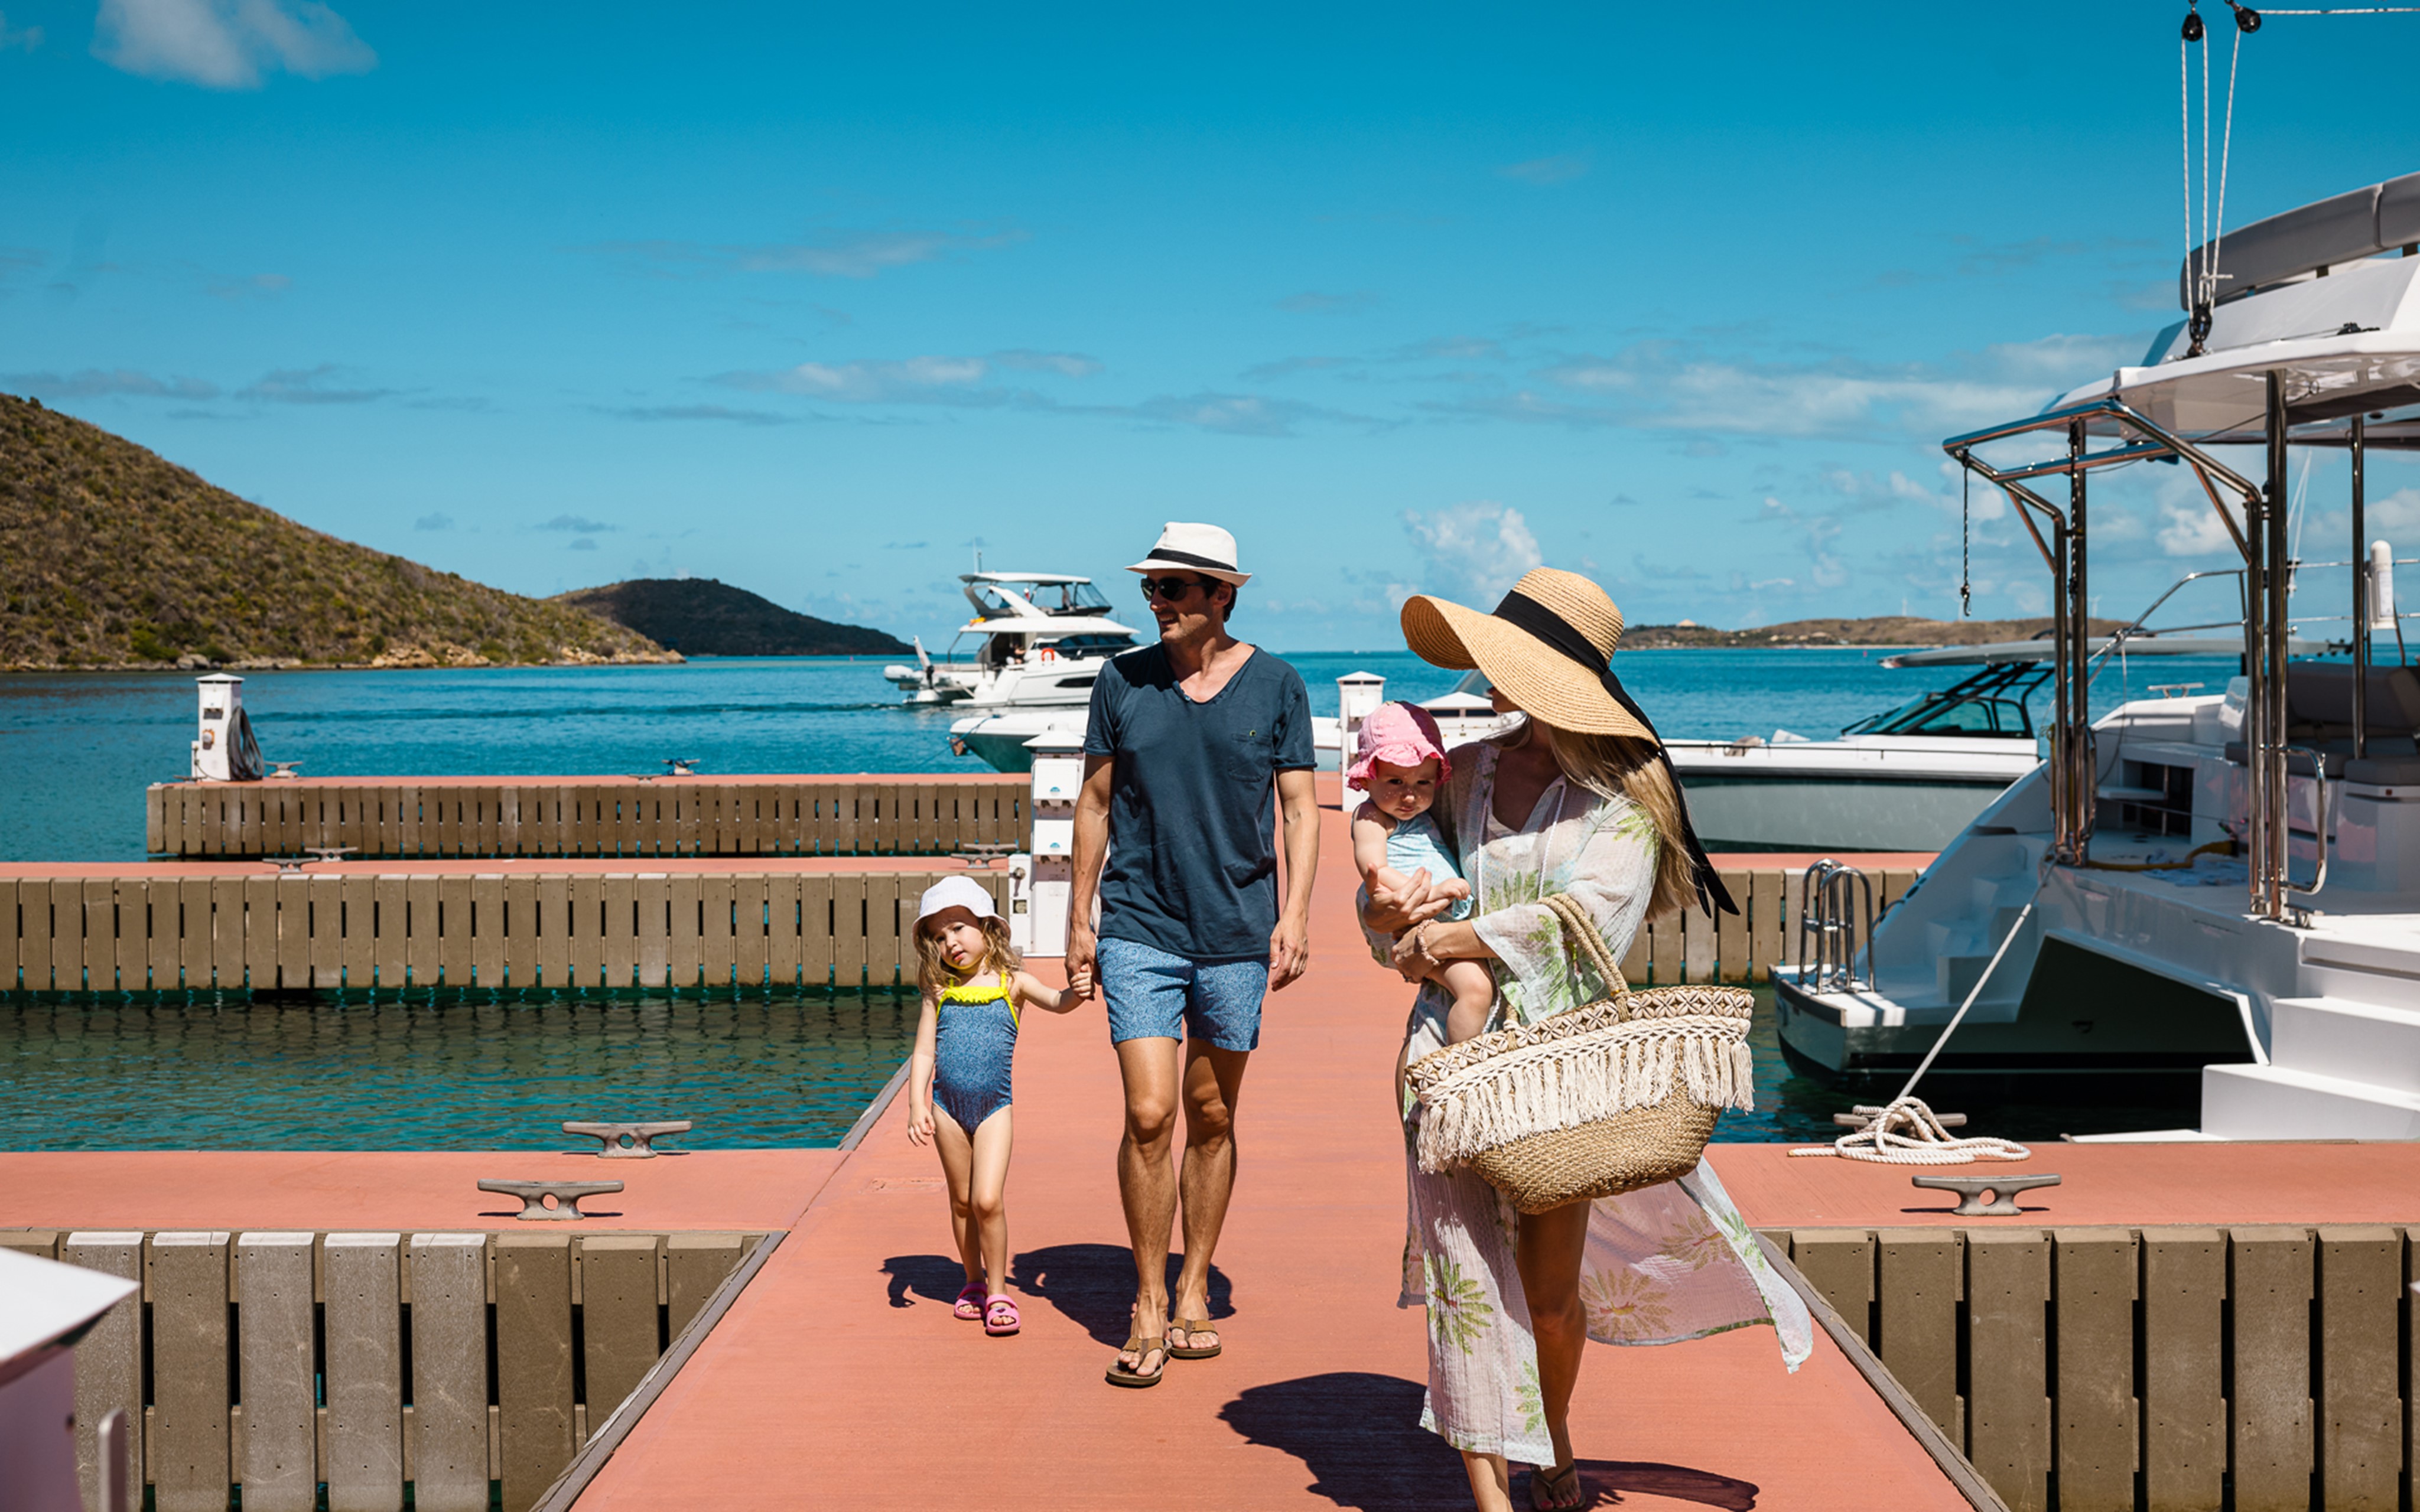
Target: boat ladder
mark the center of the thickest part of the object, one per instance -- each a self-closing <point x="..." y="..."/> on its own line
<point x="1836" y="918"/>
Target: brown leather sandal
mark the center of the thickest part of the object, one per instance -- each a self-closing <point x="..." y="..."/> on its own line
<point x="1189" y="1327"/>
<point x="1142" y="1348"/>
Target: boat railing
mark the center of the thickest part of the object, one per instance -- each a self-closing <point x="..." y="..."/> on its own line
<point x="2319" y="817"/>
<point x="1836" y="918"/>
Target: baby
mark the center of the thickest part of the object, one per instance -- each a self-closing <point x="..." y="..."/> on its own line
<point x="1399" y="765"/>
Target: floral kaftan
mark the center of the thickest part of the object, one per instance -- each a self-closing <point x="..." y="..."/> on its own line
<point x="1671" y="1262"/>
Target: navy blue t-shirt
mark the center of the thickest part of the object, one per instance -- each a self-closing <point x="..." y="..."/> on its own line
<point x="1193" y="861"/>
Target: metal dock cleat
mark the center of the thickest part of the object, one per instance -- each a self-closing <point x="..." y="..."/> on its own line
<point x="628" y="1141"/>
<point x="2003" y="1191"/>
<point x="565" y="1194"/>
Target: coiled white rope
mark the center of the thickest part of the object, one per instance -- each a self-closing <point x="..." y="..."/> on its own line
<point x="1904" y="1132"/>
<point x="1907" y="1133"/>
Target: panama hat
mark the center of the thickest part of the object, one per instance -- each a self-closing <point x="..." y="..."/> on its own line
<point x="956" y="892"/>
<point x="1203" y="549"/>
<point x="1549" y="645"/>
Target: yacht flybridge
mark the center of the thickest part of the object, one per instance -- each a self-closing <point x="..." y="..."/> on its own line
<point x="2223" y="890"/>
<point x="1037" y="640"/>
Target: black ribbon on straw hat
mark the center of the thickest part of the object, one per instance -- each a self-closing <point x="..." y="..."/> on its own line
<point x="1558" y="634"/>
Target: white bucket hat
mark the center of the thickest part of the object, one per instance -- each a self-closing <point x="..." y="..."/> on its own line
<point x="1203" y="549"/>
<point x="956" y="892"/>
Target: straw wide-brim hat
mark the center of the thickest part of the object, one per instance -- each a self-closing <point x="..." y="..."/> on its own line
<point x="1545" y="682"/>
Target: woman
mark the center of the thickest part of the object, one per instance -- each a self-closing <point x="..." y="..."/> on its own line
<point x="1579" y="800"/>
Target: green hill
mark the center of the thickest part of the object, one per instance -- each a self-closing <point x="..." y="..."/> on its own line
<point x="701" y="617"/>
<point x="1887" y="630"/>
<point x="111" y="557"/>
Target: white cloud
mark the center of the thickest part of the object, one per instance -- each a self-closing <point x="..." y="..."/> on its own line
<point x="1473" y="551"/>
<point x="1066" y="364"/>
<point x="27" y="38"/>
<point x="228" y="44"/>
<point x="1675" y="386"/>
<point x="92" y="382"/>
<point x="1559" y="169"/>
<point x="309" y="385"/>
<point x="832" y="255"/>
<point x="867" y="382"/>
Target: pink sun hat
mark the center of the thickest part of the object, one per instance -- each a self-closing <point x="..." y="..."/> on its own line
<point x="1400" y="735"/>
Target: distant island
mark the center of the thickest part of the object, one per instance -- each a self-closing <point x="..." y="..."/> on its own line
<point x="701" y="617"/>
<point x="111" y="557"/>
<point x="1886" y="630"/>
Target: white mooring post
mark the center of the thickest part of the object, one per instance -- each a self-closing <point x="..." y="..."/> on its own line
<point x="50" y="1307"/>
<point x="1358" y="697"/>
<point x="1058" y="775"/>
<point x="221" y="712"/>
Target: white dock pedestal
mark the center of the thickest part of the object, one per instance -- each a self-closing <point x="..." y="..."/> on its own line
<point x="1051" y="878"/>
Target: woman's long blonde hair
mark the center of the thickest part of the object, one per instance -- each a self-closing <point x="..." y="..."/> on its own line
<point x="1622" y="767"/>
<point x="934" y="971"/>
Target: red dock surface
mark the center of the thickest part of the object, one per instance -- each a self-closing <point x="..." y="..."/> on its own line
<point x="840" y="1377"/>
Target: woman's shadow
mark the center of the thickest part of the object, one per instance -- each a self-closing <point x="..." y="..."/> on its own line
<point x="1092" y="1283"/>
<point x="1358" y="1434"/>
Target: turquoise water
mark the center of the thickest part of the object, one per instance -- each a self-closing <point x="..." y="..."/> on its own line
<point x="77" y="750"/>
<point x="440" y="1070"/>
<point x="502" y="1071"/>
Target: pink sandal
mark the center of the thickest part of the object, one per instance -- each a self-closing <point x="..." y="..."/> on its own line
<point x="999" y="1316"/>
<point x="969" y="1305"/>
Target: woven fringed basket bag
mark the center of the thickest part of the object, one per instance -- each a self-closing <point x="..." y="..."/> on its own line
<point x="1608" y="1098"/>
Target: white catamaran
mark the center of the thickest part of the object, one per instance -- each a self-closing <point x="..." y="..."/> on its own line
<point x="2221" y="891"/>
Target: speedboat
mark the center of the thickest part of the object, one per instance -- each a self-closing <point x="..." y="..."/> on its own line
<point x="1908" y="779"/>
<point x="1037" y="640"/>
<point x="2220" y="892"/>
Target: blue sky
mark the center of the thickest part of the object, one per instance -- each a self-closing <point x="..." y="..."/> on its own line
<point x="812" y="300"/>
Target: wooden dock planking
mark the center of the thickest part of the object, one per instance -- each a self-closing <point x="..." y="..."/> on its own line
<point x="192" y="925"/>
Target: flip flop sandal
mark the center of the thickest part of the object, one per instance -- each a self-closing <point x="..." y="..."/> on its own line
<point x="999" y="1316"/>
<point x="969" y="1305"/>
<point x="1144" y="1348"/>
<point x="1560" y="1490"/>
<point x="1189" y="1327"/>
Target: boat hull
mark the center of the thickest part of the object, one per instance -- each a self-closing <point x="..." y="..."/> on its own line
<point x="2087" y="1027"/>
<point x="1832" y="813"/>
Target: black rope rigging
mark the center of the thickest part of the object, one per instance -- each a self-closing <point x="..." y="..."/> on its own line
<point x="1965" y="540"/>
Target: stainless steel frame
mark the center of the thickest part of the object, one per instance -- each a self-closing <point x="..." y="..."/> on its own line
<point x="2062" y="540"/>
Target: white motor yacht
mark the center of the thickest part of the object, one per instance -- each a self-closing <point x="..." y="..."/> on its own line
<point x="2222" y="891"/>
<point x="1036" y="641"/>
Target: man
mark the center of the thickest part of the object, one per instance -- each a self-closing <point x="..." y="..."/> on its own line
<point x="1193" y="745"/>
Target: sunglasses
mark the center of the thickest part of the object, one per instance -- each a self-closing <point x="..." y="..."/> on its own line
<point x="1171" y="589"/>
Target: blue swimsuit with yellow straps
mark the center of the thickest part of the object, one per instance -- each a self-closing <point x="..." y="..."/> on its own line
<point x="974" y="1044"/>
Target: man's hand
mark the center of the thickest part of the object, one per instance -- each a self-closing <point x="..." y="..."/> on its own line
<point x="1419" y="901"/>
<point x="1083" y="958"/>
<point x="1289" y="953"/>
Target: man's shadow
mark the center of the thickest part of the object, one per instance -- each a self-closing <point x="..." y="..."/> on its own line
<point x="1358" y="1434"/>
<point x="1092" y="1284"/>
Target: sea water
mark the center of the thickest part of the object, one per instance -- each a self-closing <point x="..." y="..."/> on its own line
<point x="76" y="750"/>
<point x="439" y="1070"/>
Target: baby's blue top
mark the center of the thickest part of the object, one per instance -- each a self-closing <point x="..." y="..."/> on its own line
<point x="1416" y="844"/>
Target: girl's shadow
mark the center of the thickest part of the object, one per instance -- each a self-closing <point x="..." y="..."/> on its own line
<point x="1092" y="1283"/>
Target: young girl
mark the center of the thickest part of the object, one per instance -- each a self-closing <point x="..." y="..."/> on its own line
<point x="1400" y="764"/>
<point x="965" y="1038"/>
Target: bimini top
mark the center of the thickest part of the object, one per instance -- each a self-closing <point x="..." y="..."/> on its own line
<point x="1046" y="578"/>
<point x="2328" y="295"/>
